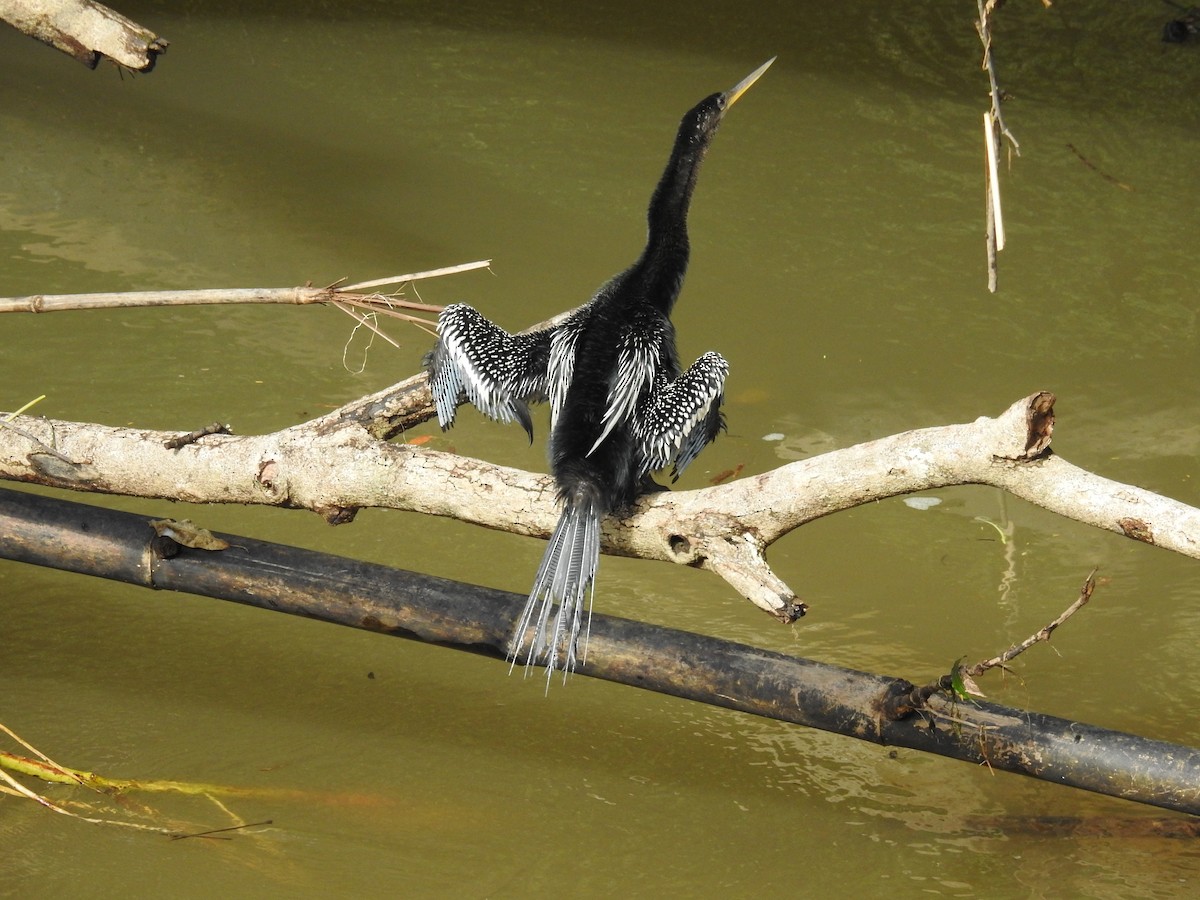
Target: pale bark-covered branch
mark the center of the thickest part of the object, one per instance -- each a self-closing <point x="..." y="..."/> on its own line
<point x="338" y="463"/>
<point x="85" y="30"/>
<point x="298" y="296"/>
<point x="43" y="303"/>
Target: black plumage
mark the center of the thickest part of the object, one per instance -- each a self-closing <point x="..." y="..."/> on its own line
<point x="621" y="407"/>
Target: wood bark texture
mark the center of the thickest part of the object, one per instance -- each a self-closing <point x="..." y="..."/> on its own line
<point x="86" y="31"/>
<point x="343" y="461"/>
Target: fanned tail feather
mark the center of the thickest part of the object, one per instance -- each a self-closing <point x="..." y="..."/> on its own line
<point x="564" y="581"/>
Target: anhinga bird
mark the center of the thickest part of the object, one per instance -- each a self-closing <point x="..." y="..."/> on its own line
<point x="620" y="405"/>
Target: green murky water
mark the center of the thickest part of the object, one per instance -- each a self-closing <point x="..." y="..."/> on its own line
<point x="837" y="263"/>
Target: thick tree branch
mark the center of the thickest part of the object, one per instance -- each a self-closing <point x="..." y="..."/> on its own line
<point x="336" y="464"/>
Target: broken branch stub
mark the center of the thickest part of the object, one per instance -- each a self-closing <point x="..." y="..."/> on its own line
<point x="85" y="31"/>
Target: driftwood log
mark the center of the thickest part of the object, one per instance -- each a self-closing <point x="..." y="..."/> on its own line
<point x="342" y="461"/>
<point x="127" y="547"/>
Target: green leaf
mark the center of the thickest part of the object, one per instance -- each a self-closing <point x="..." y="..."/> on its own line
<point x="961" y="683"/>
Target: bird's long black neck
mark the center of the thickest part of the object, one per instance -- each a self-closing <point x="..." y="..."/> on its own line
<point x="665" y="258"/>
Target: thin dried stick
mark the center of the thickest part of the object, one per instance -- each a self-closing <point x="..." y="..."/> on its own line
<point x="960" y="680"/>
<point x="42" y="445"/>
<point x="993" y="126"/>
<point x="416" y="276"/>
<point x="1043" y="634"/>
<point x="365" y="322"/>
<point x="298" y="296"/>
<point x="215" y="831"/>
<point x="984" y="27"/>
<point x="54" y="807"/>
<point x="989" y="141"/>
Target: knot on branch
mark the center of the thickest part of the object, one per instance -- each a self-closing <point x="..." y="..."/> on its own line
<point x="270" y="477"/>
<point x="681" y="549"/>
<point x="1138" y="529"/>
<point x="336" y="515"/>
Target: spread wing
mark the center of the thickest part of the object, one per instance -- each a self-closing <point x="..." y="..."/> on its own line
<point x="682" y="416"/>
<point x="500" y="373"/>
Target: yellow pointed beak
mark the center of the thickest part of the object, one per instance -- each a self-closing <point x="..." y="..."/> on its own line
<point x="742" y="86"/>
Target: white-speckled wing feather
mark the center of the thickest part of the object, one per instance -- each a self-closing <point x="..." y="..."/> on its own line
<point x="682" y="416"/>
<point x="498" y="372"/>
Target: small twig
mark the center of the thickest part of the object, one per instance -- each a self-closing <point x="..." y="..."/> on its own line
<point x="365" y="322"/>
<point x="994" y="129"/>
<point x="20" y="789"/>
<point x="959" y="681"/>
<point x="993" y="121"/>
<point x="34" y="402"/>
<point x="45" y="448"/>
<point x="7" y="423"/>
<point x="989" y="140"/>
<point x="382" y="303"/>
<point x="1085" y="594"/>
<point x="1091" y="165"/>
<point x="377" y="304"/>
<point x="54" y="807"/>
<point x="297" y="296"/>
<point x="984" y="27"/>
<point x="416" y="276"/>
<point x="989" y="219"/>
<point x="214" y="831"/>
<point x="42" y="756"/>
<point x="192" y="436"/>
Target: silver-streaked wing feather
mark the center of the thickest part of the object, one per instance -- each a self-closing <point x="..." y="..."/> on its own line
<point x="561" y="367"/>
<point x="639" y="366"/>
<point x="682" y="416"/>
<point x="498" y="372"/>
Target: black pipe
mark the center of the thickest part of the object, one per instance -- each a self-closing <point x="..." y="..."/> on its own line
<point x="124" y="547"/>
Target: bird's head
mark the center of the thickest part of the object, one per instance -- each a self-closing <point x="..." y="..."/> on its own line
<point x="702" y="121"/>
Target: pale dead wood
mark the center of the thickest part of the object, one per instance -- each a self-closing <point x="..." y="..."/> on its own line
<point x="43" y="303"/>
<point x="349" y="299"/>
<point x="298" y="296"/>
<point x="337" y="463"/>
<point x="86" y="31"/>
<point x="983" y="26"/>
<point x="993" y="128"/>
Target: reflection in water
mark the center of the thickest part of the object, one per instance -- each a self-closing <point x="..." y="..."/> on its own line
<point x="838" y="264"/>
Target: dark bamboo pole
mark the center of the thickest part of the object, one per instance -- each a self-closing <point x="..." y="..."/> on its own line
<point x="122" y="546"/>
